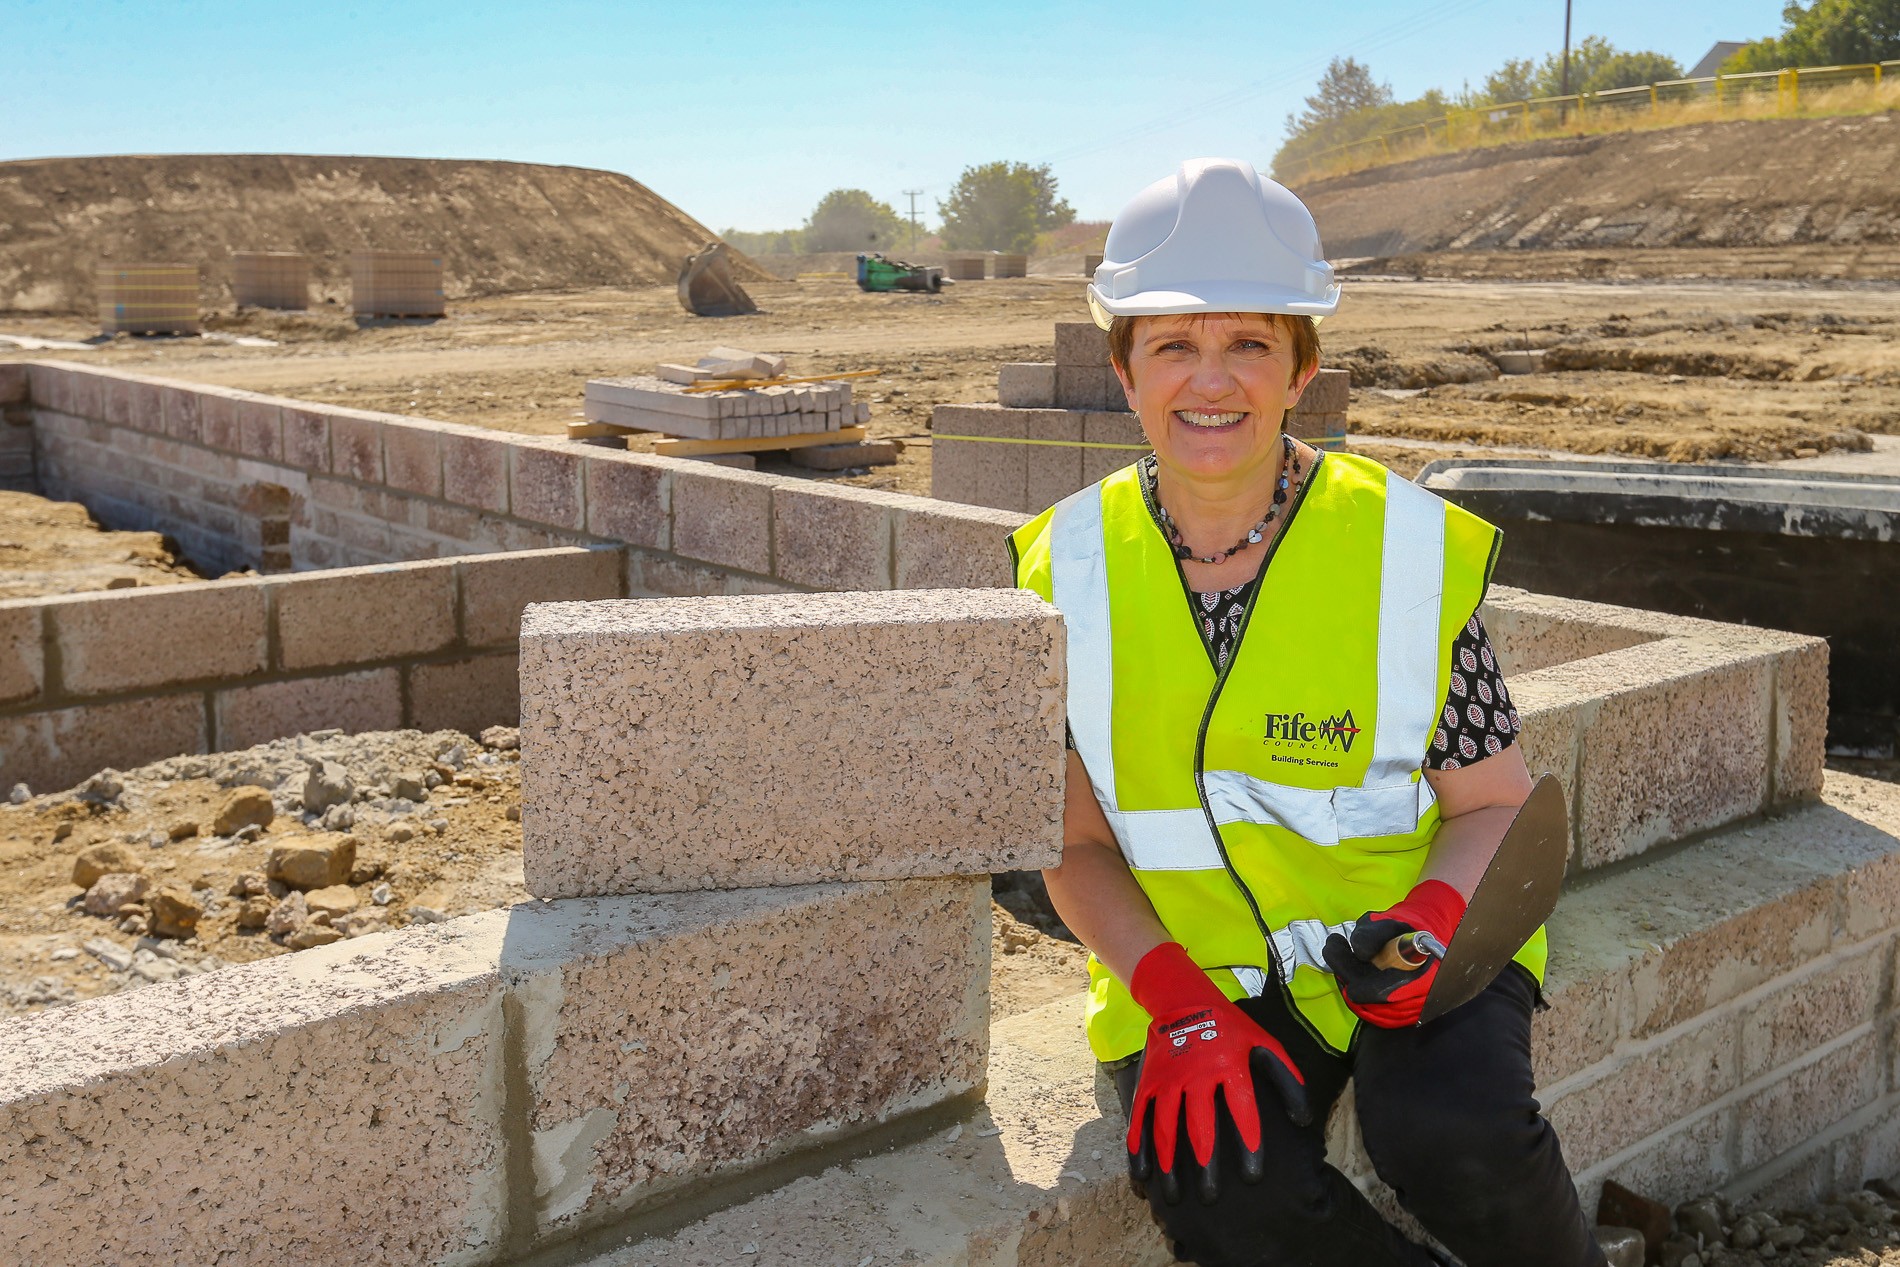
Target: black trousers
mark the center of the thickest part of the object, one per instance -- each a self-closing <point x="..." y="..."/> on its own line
<point x="1449" y="1122"/>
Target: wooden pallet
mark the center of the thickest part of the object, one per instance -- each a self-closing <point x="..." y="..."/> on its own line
<point x="683" y="447"/>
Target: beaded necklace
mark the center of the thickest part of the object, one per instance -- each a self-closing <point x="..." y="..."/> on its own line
<point x="1255" y="535"/>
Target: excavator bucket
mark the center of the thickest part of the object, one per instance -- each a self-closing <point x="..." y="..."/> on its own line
<point x="707" y="287"/>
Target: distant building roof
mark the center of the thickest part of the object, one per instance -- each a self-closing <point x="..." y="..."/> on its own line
<point x="1713" y="59"/>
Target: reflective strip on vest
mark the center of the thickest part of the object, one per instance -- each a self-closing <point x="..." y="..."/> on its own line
<point x="1391" y="802"/>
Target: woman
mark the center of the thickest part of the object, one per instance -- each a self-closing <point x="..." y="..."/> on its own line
<point x="1291" y="745"/>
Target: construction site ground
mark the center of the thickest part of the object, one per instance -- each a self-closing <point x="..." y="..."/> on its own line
<point x="1687" y="370"/>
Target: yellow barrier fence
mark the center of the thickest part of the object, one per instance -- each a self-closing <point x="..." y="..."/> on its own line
<point x="1797" y="91"/>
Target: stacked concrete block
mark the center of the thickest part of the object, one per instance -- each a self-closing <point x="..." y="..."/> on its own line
<point x="270" y="279"/>
<point x="647" y="403"/>
<point x="1320" y="416"/>
<point x="397" y="284"/>
<point x="651" y="727"/>
<point x="16" y="432"/>
<point x="475" y="1090"/>
<point x="148" y="299"/>
<point x="1091" y="260"/>
<point x="964" y="266"/>
<point x="1030" y="385"/>
<point x="1009" y="264"/>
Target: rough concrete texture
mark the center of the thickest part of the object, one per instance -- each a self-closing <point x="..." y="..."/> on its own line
<point x="352" y="615"/>
<point x="1035" y="1178"/>
<point x="495" y="590"/>
<point x="954" y="547"/>
<point x="785" y="739"/>
<point x="22" y="657"/>
<point x="1026" y="385"/>
<point x="464" y="1090"/>
<point x="124" y="639"/>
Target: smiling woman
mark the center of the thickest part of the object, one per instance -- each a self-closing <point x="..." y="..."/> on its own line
<point x="1274" y="782"/>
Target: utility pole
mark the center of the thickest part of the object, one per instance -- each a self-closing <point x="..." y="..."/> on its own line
<point x="912" y="194"/>
<point x="1566" y="88"/>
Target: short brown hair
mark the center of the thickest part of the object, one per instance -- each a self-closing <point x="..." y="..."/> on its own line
<point x="1301" y="332"/>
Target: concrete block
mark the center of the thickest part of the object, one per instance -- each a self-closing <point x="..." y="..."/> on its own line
<point x="1110" y="428"/>
<point x="979" y="471"/>
<point x="88" y="398"/>
<point x="829" y="537"/>
<point x="363" y="614"/>
<point x="466" y="695"/>
<point x="183" y="413"/>
<point x="50" y="385"/>
<point x="659" y="576"/>
<point x="306" y="439"/>
<point x="1800" y="719"/>
<point x="412" y="458"/>
<point x="475" y="470"/>
<point x="13" y="382"/>
<point x="22" y="657"/>
<point x="545" y="485"/>
<point x="1670" y="1166"/>
<point x="1081" y="343"/>
<point x="145" y="406"/>
<point x="494" y="588"/>
<point x="260" y="427"/>
<point x="1812" y="1096"/>
<point x="1330" y="392"/>
<point x="122" y="640"/>
<point x="1535" y="631"/>
<point x="629" y="498"/>
<point x="1026" y="385"/>
<point x="1647" y="1091"/>
<point x="953" y="547"/>
<point x="56" y="749"/>
<point x="115" y="400"/>
<point x="352" y="702"/>
<point x="1871" y="1150"/>
<point x="218" y="418"/>
<point x="1553" y="716"/>
<point x="723" y="517"/>
<point x="362" y="1076"/>
<point x="1322" y="431"/>
<point x="1811" y="1010"/>
<point x="356" y="445"/>
<point x="1053" y="468"/>
<point x="1588" y="1016"/>
<point x="1701" y="713"/>
<point x="723" y="742"/>
<point x="1088" y="387"/>
<point x="684" y="1001"/>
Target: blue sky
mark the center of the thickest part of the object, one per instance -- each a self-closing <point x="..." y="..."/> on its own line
<point x="746" y="113"/>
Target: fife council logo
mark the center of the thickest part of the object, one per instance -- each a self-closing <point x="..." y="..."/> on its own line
<point x="1337" y="731"/>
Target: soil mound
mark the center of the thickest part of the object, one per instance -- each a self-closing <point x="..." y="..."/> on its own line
<point x="1774" y="182"/>
<point x="500" y="226"/>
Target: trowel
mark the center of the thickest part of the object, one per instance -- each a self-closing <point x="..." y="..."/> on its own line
<point x="1516" y="894"/>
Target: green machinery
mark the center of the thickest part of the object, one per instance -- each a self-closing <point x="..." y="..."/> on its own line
<point x="877" y="273"/>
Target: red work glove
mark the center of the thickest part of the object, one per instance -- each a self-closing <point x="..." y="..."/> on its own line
<point x="1392" y="998"/>
<point x="1200" y="1045"/>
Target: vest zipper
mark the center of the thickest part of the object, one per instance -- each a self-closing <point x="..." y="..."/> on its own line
<point x="1200" y="749"/>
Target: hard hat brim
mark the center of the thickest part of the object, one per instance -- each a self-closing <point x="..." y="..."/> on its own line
<point x="1214" y="297"/>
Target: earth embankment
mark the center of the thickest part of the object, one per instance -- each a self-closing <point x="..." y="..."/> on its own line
<point x="502" y="227"/>
<point x="1805" y="188"/>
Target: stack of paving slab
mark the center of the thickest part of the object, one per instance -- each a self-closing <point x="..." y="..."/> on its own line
<point x="397" y="284"/>
<point x="1009" y="264"/>
<point x="148" y="298"/>
<point x="661" y="402"/>
<point x="964" y="266"/>
<point x="1058" y="426"/>
<point x="270" y="279"/>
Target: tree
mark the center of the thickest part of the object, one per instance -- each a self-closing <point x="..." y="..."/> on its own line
<point x="767" y="242"/>
<point x="1516" y="80"/>
<point x="852" y="220"/>
<point x="1627" y="70"/>
<point x="1002" y="207"/>
<point x="1344" y="90"/>
<point x="1826" y="33"/>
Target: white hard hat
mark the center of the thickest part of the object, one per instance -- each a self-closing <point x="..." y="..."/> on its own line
<point x="1216" y="236"/>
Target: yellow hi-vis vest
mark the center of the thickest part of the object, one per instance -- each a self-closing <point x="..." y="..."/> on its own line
<point x="1266" y="806"/>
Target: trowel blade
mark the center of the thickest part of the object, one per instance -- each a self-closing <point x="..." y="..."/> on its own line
<point x="1513" y="899"/>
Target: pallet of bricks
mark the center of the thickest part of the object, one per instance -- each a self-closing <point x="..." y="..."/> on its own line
<point x="397" y="284"/>
<point x="270" y="279"/>
<point x="964" y="266"/>
<point x="1061" y="425"/>
<point x="730" y="407"/>
<point x="148" y="299"/>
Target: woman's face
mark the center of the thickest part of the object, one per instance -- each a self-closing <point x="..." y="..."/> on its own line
<point x="1211" y="390"/>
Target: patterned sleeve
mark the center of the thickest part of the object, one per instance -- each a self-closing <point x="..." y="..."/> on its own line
<point x="1477" y="720"/>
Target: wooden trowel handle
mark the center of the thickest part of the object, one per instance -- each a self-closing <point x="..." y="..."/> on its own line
<point x="1408" y="952"/>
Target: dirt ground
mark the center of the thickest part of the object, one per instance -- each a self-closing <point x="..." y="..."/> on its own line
<point x="434" y="832"/>
<point x="1677" y="369"/>
<point x="49" y="547"/>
